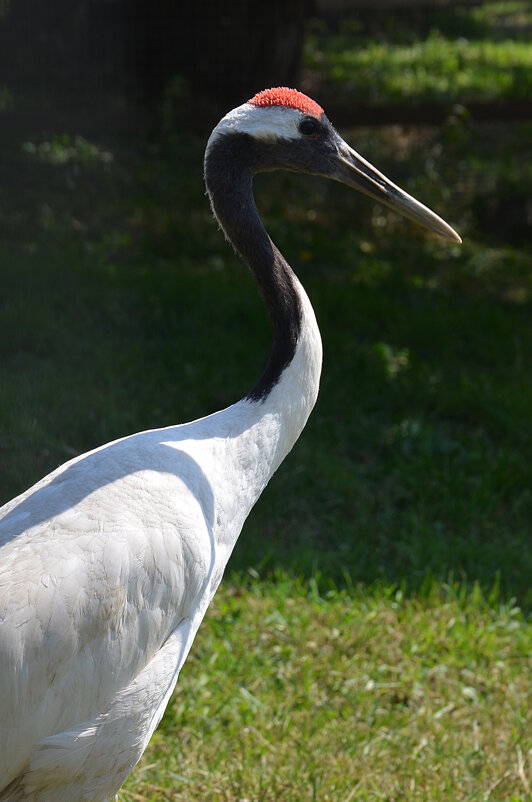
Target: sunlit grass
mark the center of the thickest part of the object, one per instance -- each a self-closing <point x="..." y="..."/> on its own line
<point x="289" y="695"/>
<point x="474" y="59"/>
<point x="436" y="69"/>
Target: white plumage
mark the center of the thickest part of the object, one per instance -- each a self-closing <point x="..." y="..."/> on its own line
<point x="108" y="565"/>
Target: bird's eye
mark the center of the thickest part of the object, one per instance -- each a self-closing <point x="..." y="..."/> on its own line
<point x="308" y="127"/>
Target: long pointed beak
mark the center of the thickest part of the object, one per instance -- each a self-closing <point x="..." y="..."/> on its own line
<point x="353" y="170"/>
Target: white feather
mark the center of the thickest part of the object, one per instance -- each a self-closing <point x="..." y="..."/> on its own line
<point x="266" y="123"/>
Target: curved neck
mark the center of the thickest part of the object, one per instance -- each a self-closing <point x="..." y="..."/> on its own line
<point x="262" y="428"/>
<point x="230" y="162"/>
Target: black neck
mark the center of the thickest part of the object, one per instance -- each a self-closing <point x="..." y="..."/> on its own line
<point x="230" y="163"/>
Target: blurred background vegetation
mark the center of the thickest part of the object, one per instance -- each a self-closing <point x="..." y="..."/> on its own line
<point x="122" y="308"/>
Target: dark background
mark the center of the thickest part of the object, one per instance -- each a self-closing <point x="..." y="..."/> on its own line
<point x="96" y="66"/>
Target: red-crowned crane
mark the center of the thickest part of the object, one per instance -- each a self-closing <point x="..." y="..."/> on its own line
<point x="108" y="565"/>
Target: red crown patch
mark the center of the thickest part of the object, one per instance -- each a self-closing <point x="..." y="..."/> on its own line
<point x="282" y="96"/>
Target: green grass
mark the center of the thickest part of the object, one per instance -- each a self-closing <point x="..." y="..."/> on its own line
<point x="381" y="652"/>
<point x="448" y="55"/>
<point x="288" y="695"/>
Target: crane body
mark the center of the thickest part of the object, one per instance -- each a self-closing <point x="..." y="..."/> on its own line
<point x="108" y="565"/>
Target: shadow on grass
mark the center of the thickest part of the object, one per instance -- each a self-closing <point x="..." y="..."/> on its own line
<point x="123" y="310"/>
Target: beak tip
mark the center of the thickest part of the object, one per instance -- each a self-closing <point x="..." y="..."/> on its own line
<point x="456" y="237"/>
<point x="447" y="231"/>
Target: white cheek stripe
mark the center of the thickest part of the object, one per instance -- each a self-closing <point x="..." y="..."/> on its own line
<point x="268" y="124"/>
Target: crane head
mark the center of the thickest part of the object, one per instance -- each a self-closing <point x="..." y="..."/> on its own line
<point x="292" y="132"/>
